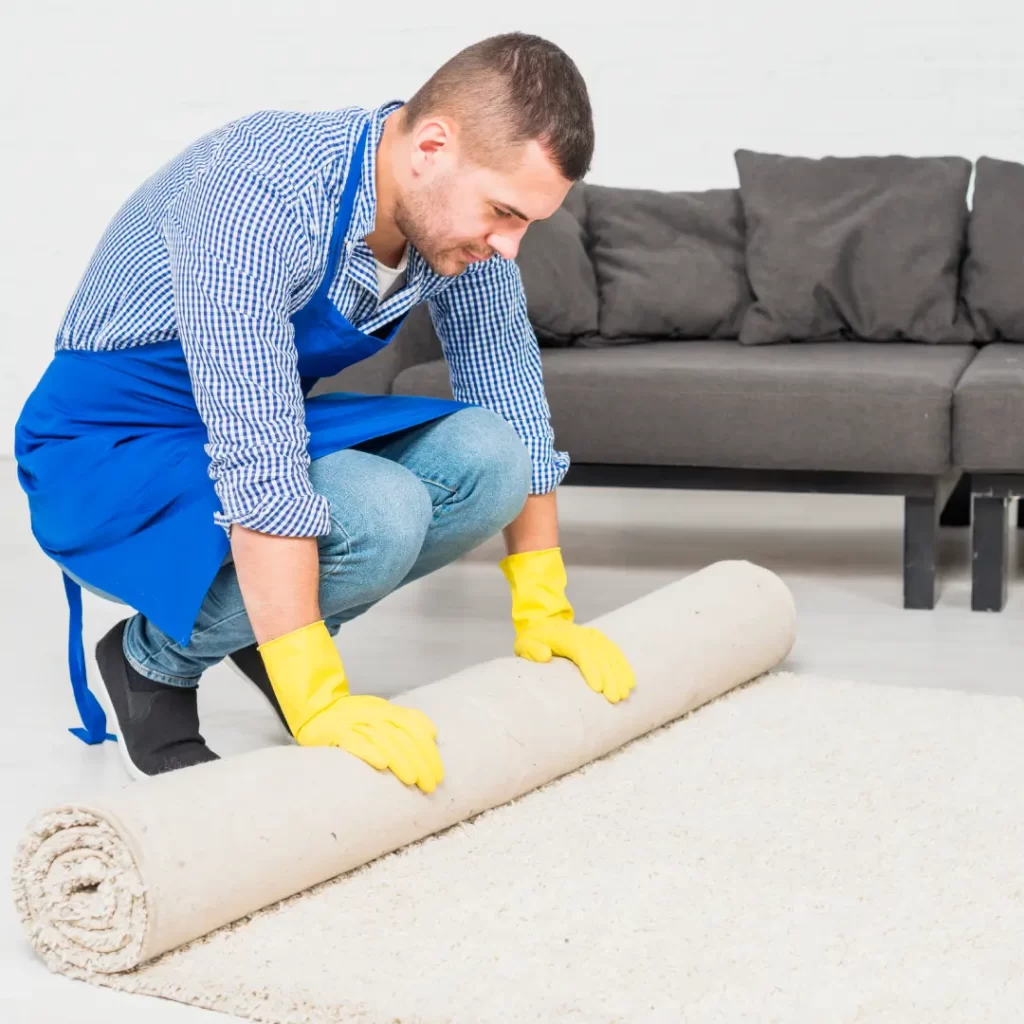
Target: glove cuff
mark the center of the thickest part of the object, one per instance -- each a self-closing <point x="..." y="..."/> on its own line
<point x="537" y="580"/>
<point x="306" y="672"/>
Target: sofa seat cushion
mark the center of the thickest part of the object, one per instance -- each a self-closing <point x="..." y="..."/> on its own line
<point x="843" y="406"/>
<point x="988" y="411"/>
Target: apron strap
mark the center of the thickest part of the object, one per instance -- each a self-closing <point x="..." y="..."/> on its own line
<point x="94" y="719"/>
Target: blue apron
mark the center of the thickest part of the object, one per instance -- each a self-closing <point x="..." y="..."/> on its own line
<point x="110" y="451"/>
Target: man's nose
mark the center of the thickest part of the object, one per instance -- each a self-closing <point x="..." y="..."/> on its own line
<point x="506" y="243"/>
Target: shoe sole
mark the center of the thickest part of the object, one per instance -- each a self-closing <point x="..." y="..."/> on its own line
<point x="113" y="725"/>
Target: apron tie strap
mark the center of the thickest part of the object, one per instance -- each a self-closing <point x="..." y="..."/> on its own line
<point x="94" y="719"/>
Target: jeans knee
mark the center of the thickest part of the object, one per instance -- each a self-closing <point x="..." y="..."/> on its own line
<point x="495" y="463"/>
<point x="378" y="525"/>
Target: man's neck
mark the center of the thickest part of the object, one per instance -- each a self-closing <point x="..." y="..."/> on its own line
<point x="386" y="242"/>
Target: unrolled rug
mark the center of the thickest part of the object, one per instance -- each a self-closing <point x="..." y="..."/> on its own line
<point x="106" y="883"/>
<point x="799" y="849"/>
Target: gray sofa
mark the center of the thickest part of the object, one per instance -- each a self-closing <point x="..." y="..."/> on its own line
<point x="846" y="325"/>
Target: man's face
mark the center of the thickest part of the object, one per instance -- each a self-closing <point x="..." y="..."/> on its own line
<point x="456" y="212"/>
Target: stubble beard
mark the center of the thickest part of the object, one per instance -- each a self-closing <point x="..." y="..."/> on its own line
<point x="421" y="218"/>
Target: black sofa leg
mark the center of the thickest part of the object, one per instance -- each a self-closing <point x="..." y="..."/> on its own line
<point x="958" y="508"/>
<point x="989" y="553"/>
<point x="920" y="549"/>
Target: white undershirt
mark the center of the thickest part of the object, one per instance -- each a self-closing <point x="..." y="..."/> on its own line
<point x="388" y="278"/>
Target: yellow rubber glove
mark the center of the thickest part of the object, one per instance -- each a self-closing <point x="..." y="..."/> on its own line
<point x="543" y="620"/>
<point x="308" y="677"/>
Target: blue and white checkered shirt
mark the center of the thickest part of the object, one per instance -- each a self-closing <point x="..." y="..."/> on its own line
<point x="225" y="242"/>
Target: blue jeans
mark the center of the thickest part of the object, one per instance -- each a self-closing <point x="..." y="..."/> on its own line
<point x="401" y="507"/>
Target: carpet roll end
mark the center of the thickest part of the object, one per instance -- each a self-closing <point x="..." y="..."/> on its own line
<point x="79" y="894"/>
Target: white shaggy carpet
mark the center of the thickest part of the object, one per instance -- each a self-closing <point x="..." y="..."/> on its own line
<point x="799" y="850"/>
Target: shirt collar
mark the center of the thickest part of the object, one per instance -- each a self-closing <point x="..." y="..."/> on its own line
<point x="364" y="212"/>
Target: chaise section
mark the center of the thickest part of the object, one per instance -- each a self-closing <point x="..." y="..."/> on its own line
<point x="988" y="442"/>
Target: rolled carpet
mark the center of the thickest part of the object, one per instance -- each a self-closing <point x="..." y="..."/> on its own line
<point x="106" y="885"/>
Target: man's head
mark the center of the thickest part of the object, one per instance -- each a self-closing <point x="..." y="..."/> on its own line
<point x="493" y="141"/>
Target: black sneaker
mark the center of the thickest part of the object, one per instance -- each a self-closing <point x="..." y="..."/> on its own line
<point x="248" y="662"/>
<point x="157" y="725"/>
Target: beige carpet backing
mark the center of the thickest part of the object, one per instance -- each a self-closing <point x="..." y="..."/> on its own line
<point x="798" y="850"/>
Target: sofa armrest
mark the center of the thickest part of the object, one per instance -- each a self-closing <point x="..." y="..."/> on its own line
<point x="415" y="343"/>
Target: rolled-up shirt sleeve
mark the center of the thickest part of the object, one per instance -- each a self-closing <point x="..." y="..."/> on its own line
<point x="494" y="360"/>
<point x="237" y="251"/>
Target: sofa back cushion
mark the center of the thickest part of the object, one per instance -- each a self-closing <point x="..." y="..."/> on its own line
<point x="994" y="267"/>
<point x="558" y="277"/>
<point x="668" y="264"/>
<point x="854" y="247"/>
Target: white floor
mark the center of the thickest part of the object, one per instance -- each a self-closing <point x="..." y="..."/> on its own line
<point x="840" y="556"/>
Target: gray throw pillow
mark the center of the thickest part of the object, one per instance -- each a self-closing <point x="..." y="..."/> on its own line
<point x="668" y="264"/>
<point x="994" y="268"/>
<point x="854" y="247"/>
<point x="558" y="278"/>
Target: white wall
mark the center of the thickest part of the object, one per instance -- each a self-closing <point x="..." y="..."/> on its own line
<point x="97" y="95"/>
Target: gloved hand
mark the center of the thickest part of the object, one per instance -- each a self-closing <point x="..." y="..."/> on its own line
<point x="308" y="677"/>
<point x="543" y="620"/>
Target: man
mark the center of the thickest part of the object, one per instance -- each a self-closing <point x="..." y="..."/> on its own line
<point x="173" y="461"/>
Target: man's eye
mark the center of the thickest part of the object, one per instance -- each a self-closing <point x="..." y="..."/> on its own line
<point x="502" y="213"/>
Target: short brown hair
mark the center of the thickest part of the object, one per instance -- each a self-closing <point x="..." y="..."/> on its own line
<point x="509" y="89"/>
